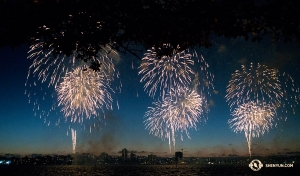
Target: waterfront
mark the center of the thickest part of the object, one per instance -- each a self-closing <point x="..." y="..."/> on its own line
<point x="149" y="170"/>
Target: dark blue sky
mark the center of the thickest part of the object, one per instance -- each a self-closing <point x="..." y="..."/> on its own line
<point x="23" y="133"/>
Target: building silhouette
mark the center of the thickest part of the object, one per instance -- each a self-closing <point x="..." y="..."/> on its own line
<point x="132" y="156"/>
<point x="124" y="154"/>
<point x="151" y="159"/>
<point x="178" y="156"/>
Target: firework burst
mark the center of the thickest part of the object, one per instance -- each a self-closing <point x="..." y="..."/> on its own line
<point x="49" y="67"/>
<point x="257" y="95"/>
<point x="177" y="112"/>
<point x="254" y="84"/>
<point x="82" y="92"/>
<point x="166" y="72"/>
<point x="253" y="119"/>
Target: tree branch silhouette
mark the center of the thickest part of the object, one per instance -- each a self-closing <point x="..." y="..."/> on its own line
<point x="84" y="26"/>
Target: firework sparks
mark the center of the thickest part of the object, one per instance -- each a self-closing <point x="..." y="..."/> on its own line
<point x="203" y="79"/>
<point x="73" y="139"/>
<point x="166" y="72"/>
<point x="180" y="110"/>
<point x="257" y="94"/>
<point x="177" y="112"/>
<point x="252" y="118"/>
<point x="82" y="92"/>
<point x="254" y="84"/>
<point x="49" y="68"/>
<point x="290" y="97"/>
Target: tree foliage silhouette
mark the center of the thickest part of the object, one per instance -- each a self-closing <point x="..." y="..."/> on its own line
<point x="86" y="26"/>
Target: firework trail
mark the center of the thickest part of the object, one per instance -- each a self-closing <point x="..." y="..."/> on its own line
<point x="257" y="95"/>
<point x="252" y="118"/>
<point x="74" y="139"/>
<point x="166" y="72"/>
<point x="253" y="94"/>
<point x="82" y="92"/>
<point x="159" y="121"/>
<point x="177" y="112"/>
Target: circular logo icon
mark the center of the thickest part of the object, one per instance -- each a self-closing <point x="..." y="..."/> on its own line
<point x="255" y="165"/>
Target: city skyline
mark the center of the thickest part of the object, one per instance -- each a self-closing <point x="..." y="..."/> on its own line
<point x="123" y="126"/>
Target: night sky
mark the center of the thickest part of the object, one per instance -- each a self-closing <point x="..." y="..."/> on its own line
<point x="24" y="133"/>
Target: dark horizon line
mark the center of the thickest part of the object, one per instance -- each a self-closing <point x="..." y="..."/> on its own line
<point x="290" y="154"/>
